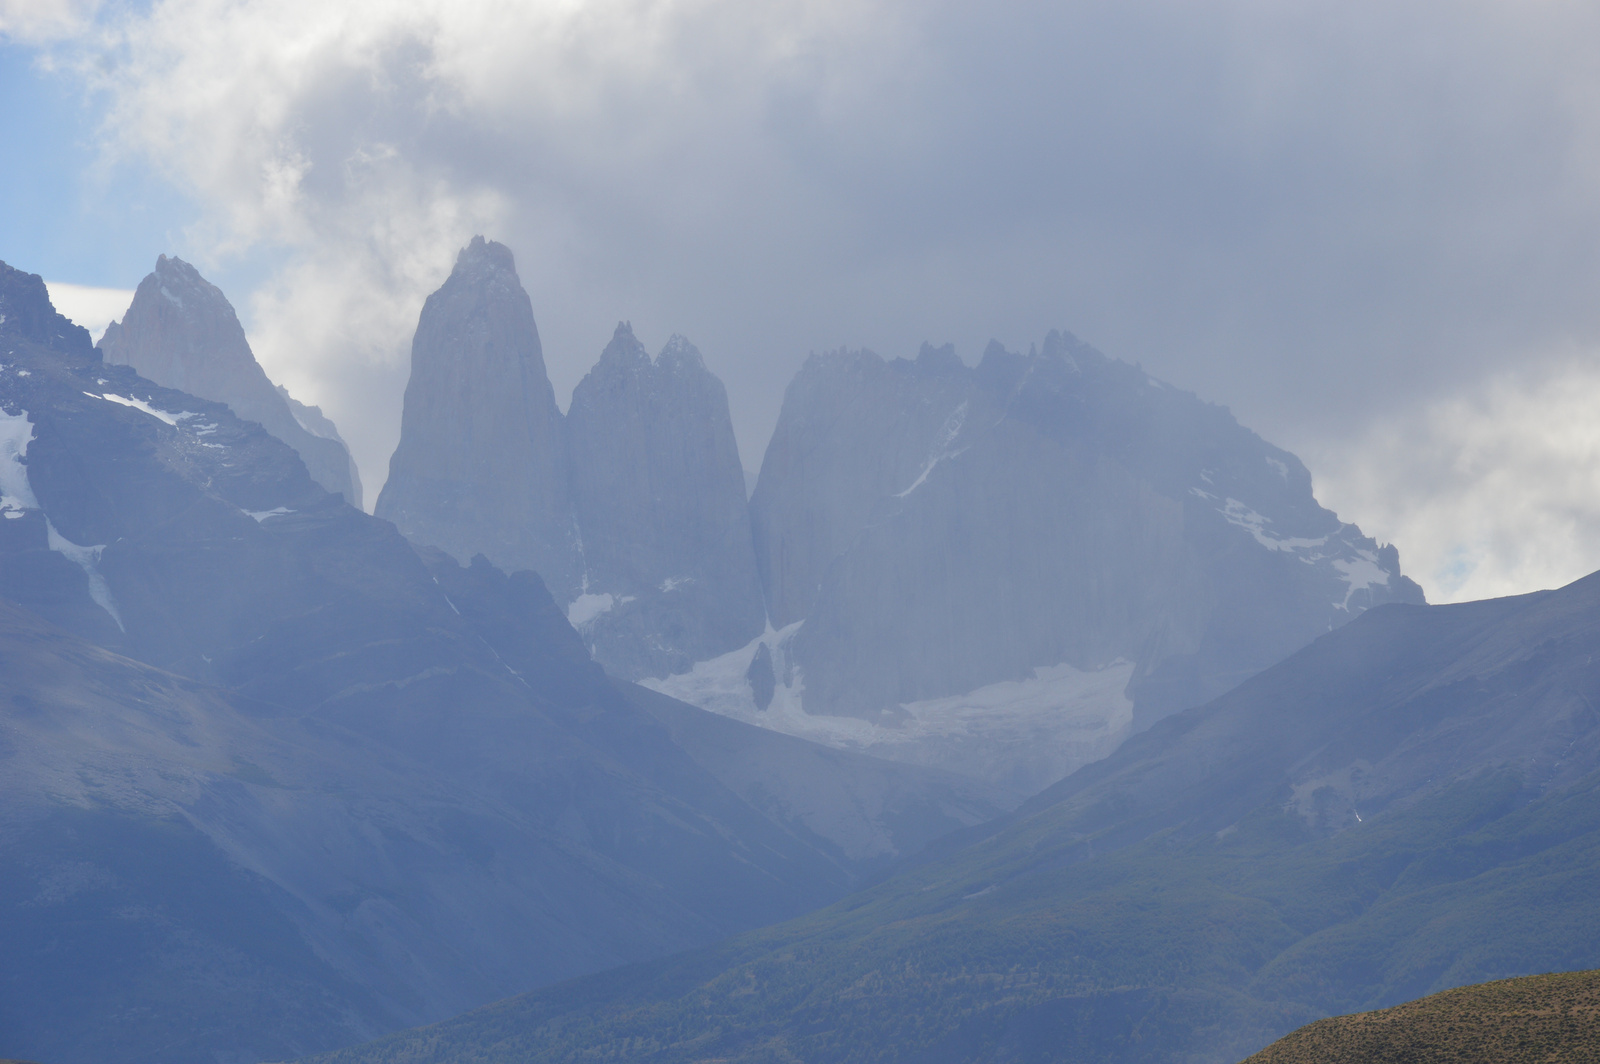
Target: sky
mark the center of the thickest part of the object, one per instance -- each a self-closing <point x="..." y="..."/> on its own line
<point x="1371" y="229"/>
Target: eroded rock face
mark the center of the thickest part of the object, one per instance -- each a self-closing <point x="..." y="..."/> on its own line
<point x="481" y="465"/>
<point x="941" y="527"/>
<point x="658" y="495"/>
<point x="181" y="332"/>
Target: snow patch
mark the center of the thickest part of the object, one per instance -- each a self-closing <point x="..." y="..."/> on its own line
<point x="1360" y="573"/>
<point x="1239" y="514"/>
<point x="583" y="610"/>
<point x="1283" y="470"/>
<point x="1024" y="733"/>
<point x="16" y="497"/>
<point x="672" y="583"/>
<point x="145" y="407"/>
<point x="16" y="494"/>
<point x="262" y="515"/>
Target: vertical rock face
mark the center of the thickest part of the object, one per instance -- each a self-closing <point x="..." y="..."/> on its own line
<point x="854" y="430"/>
<point x="669" y="572"/>
<point x="181" y="332"/>
<point x="481" y="465"/>
<point x="941" y="528"/>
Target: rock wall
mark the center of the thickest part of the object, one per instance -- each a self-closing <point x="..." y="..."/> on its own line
<point x="941" y="527"/>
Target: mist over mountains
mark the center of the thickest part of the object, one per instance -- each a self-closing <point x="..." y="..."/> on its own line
<point x="1025" y="709"/>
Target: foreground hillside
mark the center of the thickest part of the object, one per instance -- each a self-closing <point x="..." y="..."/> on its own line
<point x="1539" y="1019"/>
<point x="1409" y="804"/>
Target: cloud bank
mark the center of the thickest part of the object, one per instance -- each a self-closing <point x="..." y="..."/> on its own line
<point x="1337" y="219"/>
<point x="93" y="308"/>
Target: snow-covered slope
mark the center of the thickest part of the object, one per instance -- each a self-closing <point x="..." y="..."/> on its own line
<point x="1021" y="735"/>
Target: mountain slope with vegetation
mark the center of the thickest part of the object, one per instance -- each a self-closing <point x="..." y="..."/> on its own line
<point x="1409" y="804"/>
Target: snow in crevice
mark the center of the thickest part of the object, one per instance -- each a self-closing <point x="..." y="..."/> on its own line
<point x="672" y="583"/>
<point x="16" y="498"/>
<point x="144" y="407"/>
<point x="87" y="559"/>
<point x="1241" y="515"/>
<point x="948" y="432"/>
<point x="1020" y="733"/>
<point x="262" y="515"/>
<point x="1345" y="555"/>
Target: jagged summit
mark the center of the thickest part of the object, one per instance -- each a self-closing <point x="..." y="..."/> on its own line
<point x="624" y="351"/>
<point x="631" y="507"/>
<point x="181" y="332"/>
<point x="26" y="313"/>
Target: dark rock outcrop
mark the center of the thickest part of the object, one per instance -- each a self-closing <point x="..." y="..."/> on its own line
<point x="481" y="465"/>
<point x="658" y="495"/>
<point x="181" y="332"/>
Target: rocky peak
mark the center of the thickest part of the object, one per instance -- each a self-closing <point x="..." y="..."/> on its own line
<point x="181" y="332"/>
<point x="624" y="353"/>
<point x="481" y="464"/>
<point x="680" y="356"/>
<point x="658" y="492"/>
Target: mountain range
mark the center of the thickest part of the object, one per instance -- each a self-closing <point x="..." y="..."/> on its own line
<point x="1000" y="570"/>
<point x="276" y="780"/>
<point x="1024" y="709"/>
<point x="1410" y="803"/>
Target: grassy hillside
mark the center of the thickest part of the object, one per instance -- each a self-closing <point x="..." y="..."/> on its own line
<point x="1411" y="804"/>
<point x="1175" y="947"/>
<point x="1539" y="1019"/>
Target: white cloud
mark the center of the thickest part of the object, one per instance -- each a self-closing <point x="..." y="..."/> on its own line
<point x="1493" y="491"/>
<point x="93" y="308"/>
<point x="44" y="21"/>
<point x="1314" y="213"/>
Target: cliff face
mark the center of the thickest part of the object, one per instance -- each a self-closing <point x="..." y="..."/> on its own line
<point x="941" y="528"/>
<point x="669" y="572"/>
<point x="481" y="465"/>
<point x="181" y="332"/>
<point x="632" y="508"/>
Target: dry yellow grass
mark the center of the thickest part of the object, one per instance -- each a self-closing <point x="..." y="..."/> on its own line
<point x="1540" y="1019"/>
